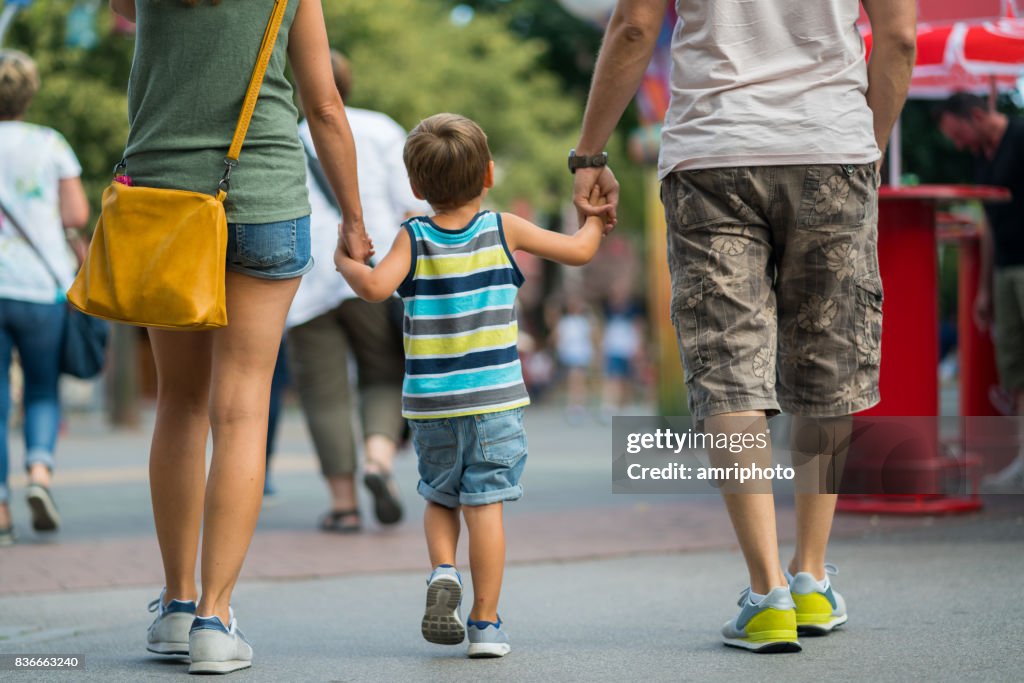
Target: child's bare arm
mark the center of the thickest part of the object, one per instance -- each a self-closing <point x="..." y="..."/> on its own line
<point x="572" y="250"/>
<point x="379" y="282"/>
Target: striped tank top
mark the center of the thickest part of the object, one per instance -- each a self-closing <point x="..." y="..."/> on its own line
<point x="460" y="321"/>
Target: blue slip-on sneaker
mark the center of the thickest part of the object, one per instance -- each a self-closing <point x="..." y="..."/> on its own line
<point x="486" y="639"/>
<point x="819" y="608"/>
<point x="767" y="626"/>
<point x="168" y="634"/>
<point x="442" y="623"/>
<point x="217" y="649"/>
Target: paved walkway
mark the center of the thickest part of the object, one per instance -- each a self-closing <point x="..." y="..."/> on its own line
<point x="600" y="587"/>
<point x="568" y="513"/>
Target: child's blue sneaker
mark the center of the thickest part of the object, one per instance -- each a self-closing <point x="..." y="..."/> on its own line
<point x="768" y="625"/>
<point x="442" y="623"/>
<point x="168" y="634"/>
<point x="486" y="639"/>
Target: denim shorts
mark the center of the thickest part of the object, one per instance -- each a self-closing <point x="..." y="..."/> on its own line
<point x="272" y="251"/>
<point x="471" y="460"/>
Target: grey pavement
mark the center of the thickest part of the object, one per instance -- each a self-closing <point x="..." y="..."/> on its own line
<point x="600" y="587"/>
<point x="932" y="605"/>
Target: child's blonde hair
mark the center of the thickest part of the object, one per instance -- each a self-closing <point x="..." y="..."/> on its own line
<point x="446" y="156"/>
<point x="19" y="82"/>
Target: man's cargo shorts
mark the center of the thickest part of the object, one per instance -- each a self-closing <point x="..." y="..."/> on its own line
<point x="776" y="297"/>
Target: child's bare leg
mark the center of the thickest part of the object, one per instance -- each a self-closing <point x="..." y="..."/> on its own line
<point x="441" y="526"/>
<point x="486" y="558"/>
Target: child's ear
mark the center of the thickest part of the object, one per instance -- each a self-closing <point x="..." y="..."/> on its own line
<point x="489" y="175"/>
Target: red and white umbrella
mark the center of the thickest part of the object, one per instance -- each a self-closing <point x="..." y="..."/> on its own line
<point x="982" y="57"/>
<point x="966" y="57"/>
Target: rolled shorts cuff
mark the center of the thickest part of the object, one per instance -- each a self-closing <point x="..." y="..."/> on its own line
<point x="474" y="499"/>
<point x="265" y="275"/>
<point x="38" y="456"/>
<point x="863" y="402"/>
<point x="734" y="405"/>
<point x="435" y="496"/>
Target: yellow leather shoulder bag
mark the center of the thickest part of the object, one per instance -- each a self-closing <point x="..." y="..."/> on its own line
<point x="157" y="257"/>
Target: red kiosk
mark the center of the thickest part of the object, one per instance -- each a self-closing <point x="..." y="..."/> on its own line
<point x="907" y="259"/>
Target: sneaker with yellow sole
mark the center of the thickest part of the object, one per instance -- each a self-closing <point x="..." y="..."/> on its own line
<point x="766" y="626"/>
<point x="819" y="608"/>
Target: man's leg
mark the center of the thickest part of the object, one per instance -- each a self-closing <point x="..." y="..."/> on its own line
<point x="818" y="448"/>
<point x="751" y="508"/>
<point x="380" y="359"/>
<point x="1009" y="330"/>
<point x="318" y="358"/>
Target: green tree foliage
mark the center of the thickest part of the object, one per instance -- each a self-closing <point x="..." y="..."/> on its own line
<point x="410" y="61"/>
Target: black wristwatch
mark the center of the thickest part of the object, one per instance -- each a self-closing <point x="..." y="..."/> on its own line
<point x="583" y="161"/>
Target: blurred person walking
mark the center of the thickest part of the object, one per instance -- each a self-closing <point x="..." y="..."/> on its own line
<point x="769" y="168"/>
<point x="620" y="344"/>
<point x="997" y="143"/>
<point x="40" y="184"/>
<point x="574" y="343"/>
<point x="327" y="321"/>
<point x="191" y="69"/>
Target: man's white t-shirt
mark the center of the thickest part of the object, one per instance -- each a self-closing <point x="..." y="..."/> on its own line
<point x="33" y="161"/>
<point x="765" y="83"/>
<point x="386" y="197"/>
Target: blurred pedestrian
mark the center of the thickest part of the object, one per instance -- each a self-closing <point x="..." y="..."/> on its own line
<point x="40" y="184"/>
<point x="278" y="387"/>
<point x="574" y="342"/>
<point x="769" y="167"/>
<point x="327" y="321"/>
<point x="997" y="143"/>
<point x="191" y="69"/>
<point x="620" y="345"/>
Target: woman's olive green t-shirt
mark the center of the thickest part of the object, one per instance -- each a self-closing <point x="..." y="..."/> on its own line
<point x="189" y="75"/>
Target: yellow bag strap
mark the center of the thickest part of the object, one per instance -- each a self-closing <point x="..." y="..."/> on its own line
<point x="252" y="94"/>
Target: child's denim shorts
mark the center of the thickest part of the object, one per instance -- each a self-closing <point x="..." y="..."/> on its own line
<point x="272" y="251"/>
<point x="471" y="460"/>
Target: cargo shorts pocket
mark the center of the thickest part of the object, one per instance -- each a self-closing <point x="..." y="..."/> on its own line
<point x="836" y="197"/>
<point x="868" y="334"/>
<point x="693" y="199"/>
<point x="434" y="441"/>
<point x="689" y="319"/>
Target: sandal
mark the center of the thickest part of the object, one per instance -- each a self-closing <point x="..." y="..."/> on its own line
<point x="386" y="503"/>
<point x="333" y="522"/>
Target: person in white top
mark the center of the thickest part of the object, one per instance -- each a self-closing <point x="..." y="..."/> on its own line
<point x="41" y="188"/>
<point x="327" y="320"/>
<point x="574" y="342"/>
<point x="769" y="167"/>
